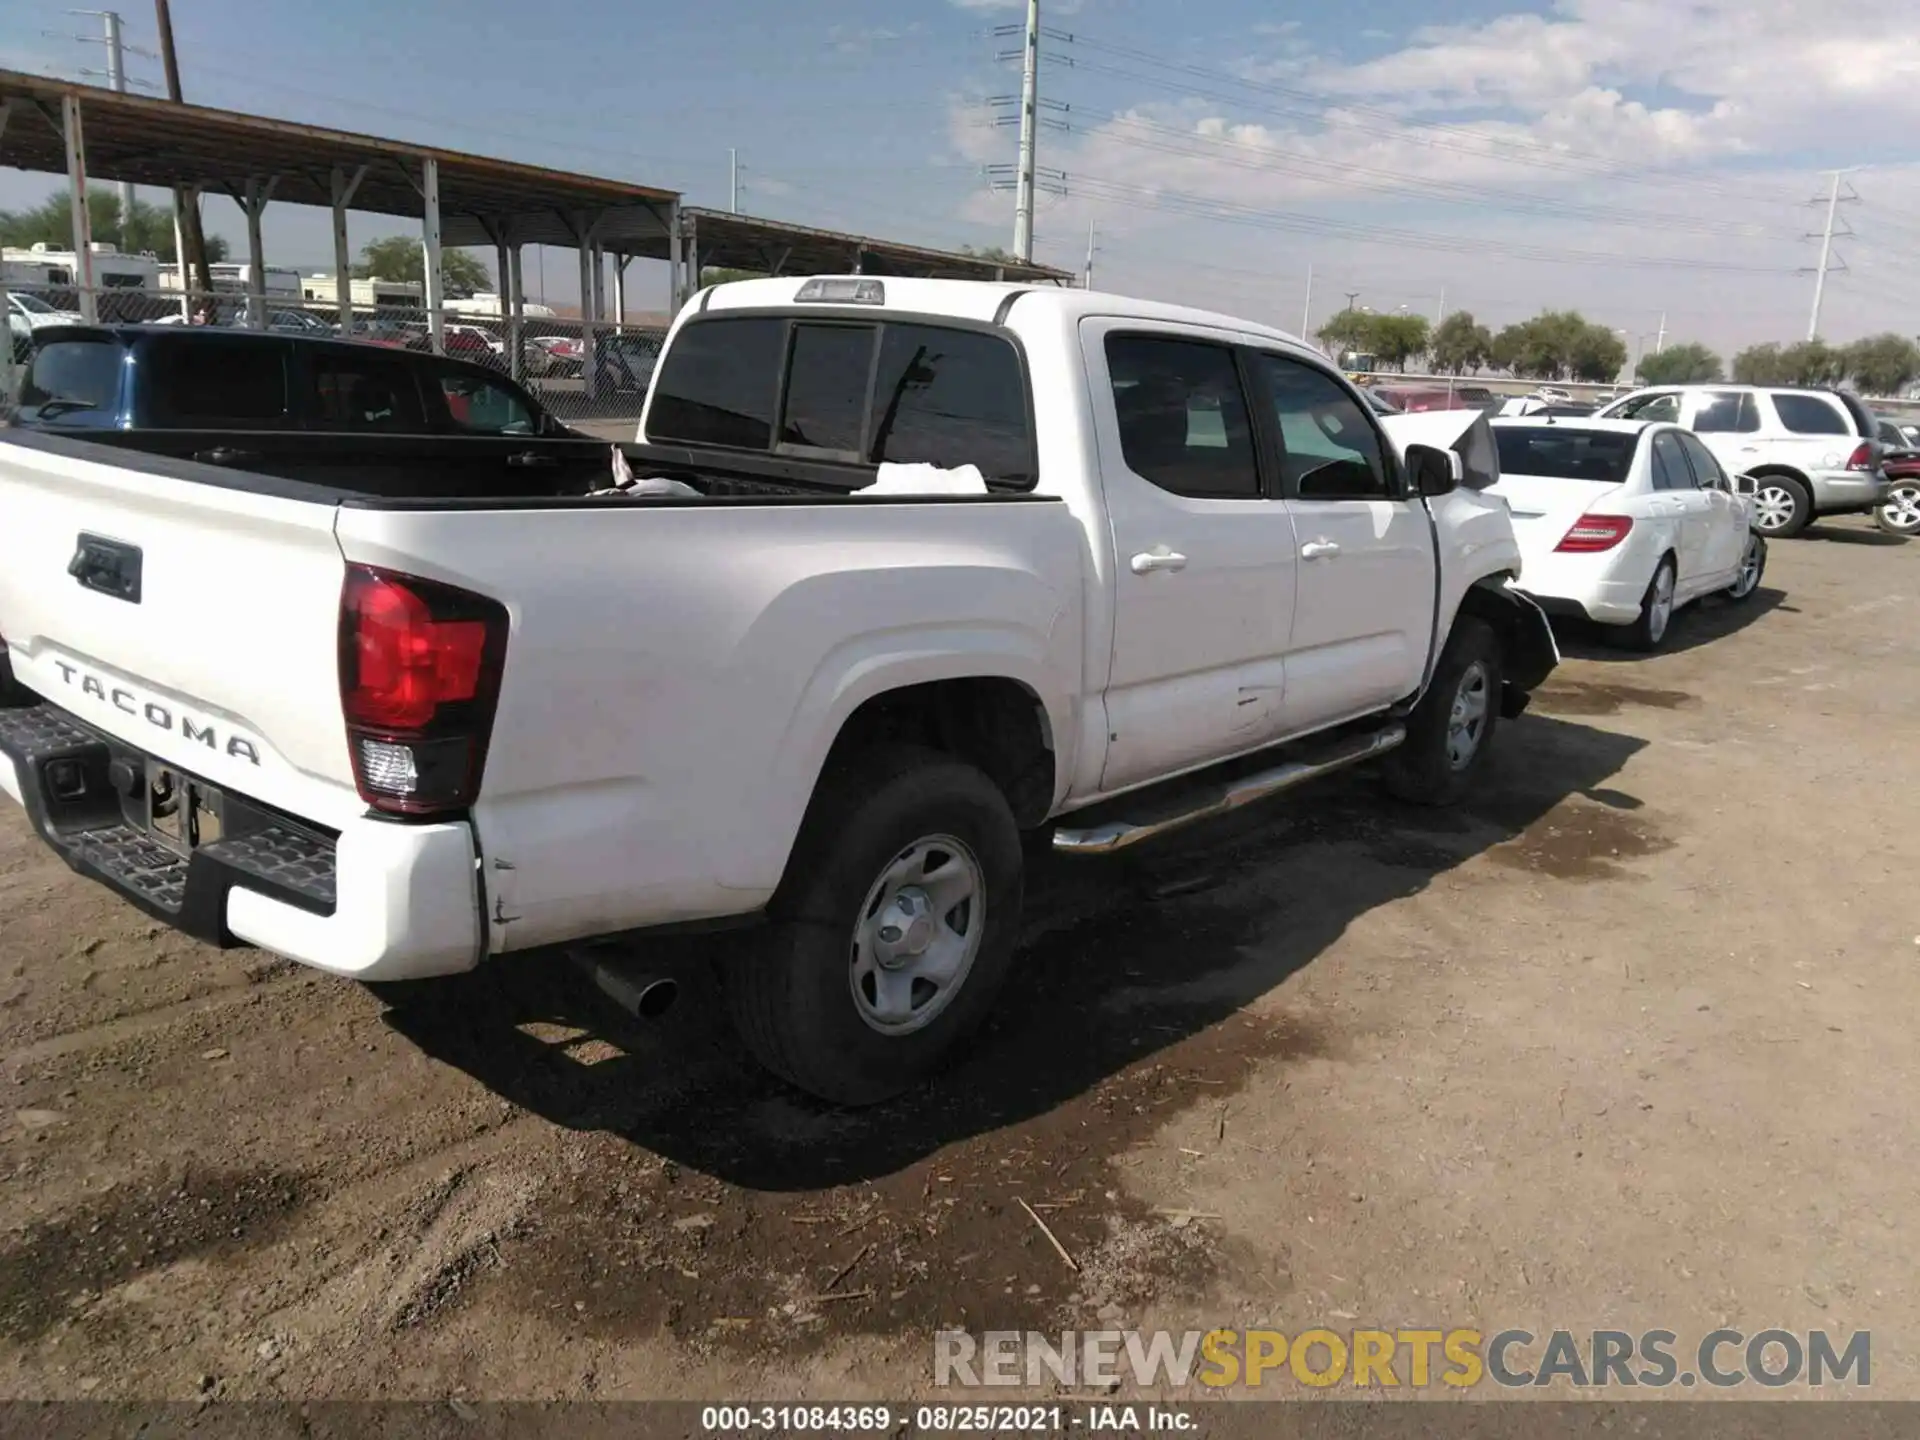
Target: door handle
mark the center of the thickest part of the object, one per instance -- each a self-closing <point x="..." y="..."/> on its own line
<point x="1318" y="549"/>
<point x="223" y="455"/>
<point x="1149" y="561"/>
<point x="527" y="458"/>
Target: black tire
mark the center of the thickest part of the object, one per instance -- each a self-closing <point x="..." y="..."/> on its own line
<point x="1900" y="514"/>
<point x="793" y="996"/>
<point x="1801" y="514"/>
<point x="1423" y="771"/>
<point x="1745" y="587"/>
<point x="1648" y="633"/>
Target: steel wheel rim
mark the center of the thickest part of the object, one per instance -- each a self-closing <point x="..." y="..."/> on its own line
<point x="1749" y="575"/>
<point x="1773" y="507"/>
<point x="1902" y="507"/>
<point x="1467" y="721"/>
<point x="917" y="935"/>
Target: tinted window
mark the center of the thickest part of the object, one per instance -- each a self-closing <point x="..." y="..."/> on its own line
<point x="1706" y="470"/>
<point x="952" y="398"/>
<point x="718" y="383"/>
<point x="827" y="379"/>
<point x="1811" y="415"/>
<point x="84" y="375"/>
<point x="211" y="381"/>
<point x="1330" y="451"/>
<point x="483" y="406"/>
<point x="1665" y="406"/>
<point x="1727" y="412"/>
<point x="364" y="393"/>
<point x="1560" y="452"/>
<point x="1670" y="470"/>
<point x="1182" y="419"/>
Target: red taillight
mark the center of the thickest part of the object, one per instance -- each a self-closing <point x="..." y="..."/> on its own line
<point x="420" y="667"/>
<point x="1595" y="532"/>
<point x="1862" y="457"/>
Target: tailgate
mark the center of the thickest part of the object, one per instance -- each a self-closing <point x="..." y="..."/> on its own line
<point x="194" y="619"/>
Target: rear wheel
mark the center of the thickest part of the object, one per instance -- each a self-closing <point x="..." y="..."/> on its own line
<point x="1899" y="514"/>
<point x="1450" y="733"/>
<point x="895" y="927"/>
<point x="1782" y="507"/>
<point x="1753" y="565"/>
<point x="1649" y="632"/>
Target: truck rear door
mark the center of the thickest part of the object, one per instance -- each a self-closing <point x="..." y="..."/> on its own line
<point x="195" y="621"/>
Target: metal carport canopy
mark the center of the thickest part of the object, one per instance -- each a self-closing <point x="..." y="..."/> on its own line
<point x="744" y="242"/>
<point x="156" y="142"/>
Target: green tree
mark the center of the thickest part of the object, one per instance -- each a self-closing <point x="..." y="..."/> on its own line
<point x="721" y="275"/>
<point x="1559" y="345"/>
<point x="1883" y="364"/>
<point x="1349" y="330"/>
<point x="1594" y="353"/>
<point x="1806" y="362"/>
<point x="1460" y="343"/>
<point x="1688" y="364"/>
<point x="993" y="253"/>
<point x="400" y="257"/>
<point x="1396" y="339"/>
<point x="149" y="228"/>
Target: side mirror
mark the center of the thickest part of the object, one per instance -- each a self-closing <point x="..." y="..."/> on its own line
<point x="1434" y="471"/>
<point x="1746" y="485"/>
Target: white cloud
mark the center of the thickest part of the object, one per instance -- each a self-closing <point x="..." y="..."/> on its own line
<point x="1535" y="118"/>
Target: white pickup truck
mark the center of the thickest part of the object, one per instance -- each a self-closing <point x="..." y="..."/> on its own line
<point x="1119" y="566"/>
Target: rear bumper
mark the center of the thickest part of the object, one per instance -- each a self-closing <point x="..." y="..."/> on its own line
<point x="1839" y="491"/>
<point x="376" y="901"/>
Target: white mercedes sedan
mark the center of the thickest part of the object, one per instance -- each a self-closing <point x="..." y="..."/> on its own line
<point x="1623" y="522"/>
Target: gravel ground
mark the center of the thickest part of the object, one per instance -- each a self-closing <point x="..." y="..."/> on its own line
<point x="1624" y="1043"/>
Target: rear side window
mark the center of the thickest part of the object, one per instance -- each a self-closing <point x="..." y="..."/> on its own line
<point x="1727" y="412"/>
<point x="71" y="377"/>
<point x="484" y="407"/>
<point x="1182" y="417"/>
<point x="1664" y="406"/>
<point x="1670" y="469"/>
<point x="211" y="381"/>
<point x="718" y="384"/>
<point x="1560" y="452"/>
<point x="364" y="393"/>
<point x="952" y="398"/>
<point x="1811" y="415"/>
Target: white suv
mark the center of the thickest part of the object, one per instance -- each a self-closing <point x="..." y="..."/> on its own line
<point x="1812" y="452"/>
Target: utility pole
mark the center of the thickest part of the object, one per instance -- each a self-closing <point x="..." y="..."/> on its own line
<point x="1440" y="316"/>
<point x="733" y="181"/>
<point x="1352" y="295"/>
<point x="192" y="239"/>
<point x="1660" y="339"/>
<point x="1834" y="197"/>
<point x="1091" y="232"/>
<point x="1306" y="305"/>
<point x="1029" y="138"/>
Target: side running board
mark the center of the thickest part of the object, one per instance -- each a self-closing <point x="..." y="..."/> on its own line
<point x="1174" y="812"/>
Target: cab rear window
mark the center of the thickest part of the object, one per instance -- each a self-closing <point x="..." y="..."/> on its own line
<point x="903" y="393"/>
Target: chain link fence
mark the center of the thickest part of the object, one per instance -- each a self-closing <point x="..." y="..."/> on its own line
<point x="553" y="360"/>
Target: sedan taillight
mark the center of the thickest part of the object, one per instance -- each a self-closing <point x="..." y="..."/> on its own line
<point x="1593" y="533"/>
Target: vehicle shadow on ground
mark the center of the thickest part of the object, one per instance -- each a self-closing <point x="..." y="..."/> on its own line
<point x="1853" y="536"/>
<point x="1701" y="623"/>
<point x="1122" y="962"/>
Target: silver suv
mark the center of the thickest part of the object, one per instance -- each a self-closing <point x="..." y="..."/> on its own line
<point x="1812" y="452"/>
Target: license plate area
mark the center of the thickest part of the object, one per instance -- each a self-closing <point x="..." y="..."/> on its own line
<point x="180" y="812"/>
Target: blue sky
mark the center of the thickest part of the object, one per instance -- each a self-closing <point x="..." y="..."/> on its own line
<point x="1400" y="149"/>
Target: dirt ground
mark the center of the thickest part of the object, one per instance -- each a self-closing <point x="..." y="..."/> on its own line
<point x="1628" y="1043"/>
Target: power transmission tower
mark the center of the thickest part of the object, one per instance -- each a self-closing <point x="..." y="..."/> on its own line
<point x="1833" y="201"/>
<point x="1028" y="177"/>
<point x="117" y="80"/>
